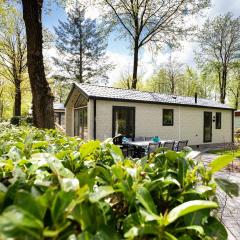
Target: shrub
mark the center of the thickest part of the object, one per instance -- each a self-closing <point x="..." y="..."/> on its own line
<point x="57" y="187"/>
<point x="15" y="120"/>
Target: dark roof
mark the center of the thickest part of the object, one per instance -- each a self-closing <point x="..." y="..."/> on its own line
<point x="118" y="94"/>
<point x="58" y="106"/>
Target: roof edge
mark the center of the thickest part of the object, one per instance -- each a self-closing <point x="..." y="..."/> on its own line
<point x="151" y="102"/>
<point x="74" y="85"/>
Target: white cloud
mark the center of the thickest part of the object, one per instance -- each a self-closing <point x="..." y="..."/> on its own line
<point x="92" y="11"/>
<point x="123" y="66"/>
<point x="147" y="62"/>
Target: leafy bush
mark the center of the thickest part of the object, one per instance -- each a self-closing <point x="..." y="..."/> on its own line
<point x="15" y="120"/>
<point x="21" y="120"/>
<point x="57" y="187"/>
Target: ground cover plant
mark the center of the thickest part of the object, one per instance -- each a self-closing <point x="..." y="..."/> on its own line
<point x="58" y="187"/>
<point x="235" y="153"/>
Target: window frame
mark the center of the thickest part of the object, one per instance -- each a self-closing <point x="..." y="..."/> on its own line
<point x="84" y="112"/>
<point x="167" y="124"/>
<point x="218" y="114"/>
<point x="114" y="109"/>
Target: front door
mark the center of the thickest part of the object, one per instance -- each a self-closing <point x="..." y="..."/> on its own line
<point x="207" y="127"/>
<point x="123" y="121"/>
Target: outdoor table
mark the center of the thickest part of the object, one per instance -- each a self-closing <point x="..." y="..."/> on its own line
<point x="144" y="144"/>
<point x="138" y="145"/>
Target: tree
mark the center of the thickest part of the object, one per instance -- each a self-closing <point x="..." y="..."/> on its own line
<point x="167" y="78"/>
<point x="60" y="88"/>
<point x="234" y="84"/>
<point x="220" y="45"/>
<point x="42" y="102"/>
<point x="158" y="82"/>
<point x="13" y="51"/>
<point x="174" y="73"/>
<point x="82" y="46"/>
<point x="155" y="21"/>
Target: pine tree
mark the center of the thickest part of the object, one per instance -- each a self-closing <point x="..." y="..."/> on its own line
<point x="82" y="48"/>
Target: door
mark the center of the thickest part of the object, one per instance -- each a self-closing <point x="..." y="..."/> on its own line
<point x="123" y="121"/>
<point x="207" y="127"/>
<point x="80" y="122"/>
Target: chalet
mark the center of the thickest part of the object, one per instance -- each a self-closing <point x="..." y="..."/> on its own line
<point x="100" y="112"/>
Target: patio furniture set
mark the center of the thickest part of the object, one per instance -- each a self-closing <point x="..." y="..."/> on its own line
<point x="142" y="146"/>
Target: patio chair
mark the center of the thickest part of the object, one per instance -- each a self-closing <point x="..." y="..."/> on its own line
<point x="148" y="138"/>
<point x="169" y="145"/>
<point x="181" y="144"/>
<point x="117" y="140"/>
<point x="152" y="147"/>
<point x="139" y="139"/>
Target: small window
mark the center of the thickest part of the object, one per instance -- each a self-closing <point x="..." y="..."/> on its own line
<point x="167" y="117"/>
<point x="218" y="120"/>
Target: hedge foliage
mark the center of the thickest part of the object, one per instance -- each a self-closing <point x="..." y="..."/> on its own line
<point x="58" y="187"/>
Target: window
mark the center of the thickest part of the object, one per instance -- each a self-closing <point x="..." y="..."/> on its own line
<point x="80" y="122"/>
<point x="123" y="121"/>
<point x="218" y="120"/>
<point x="167" y="117"/>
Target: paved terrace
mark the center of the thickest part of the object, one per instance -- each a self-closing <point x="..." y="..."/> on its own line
<point x="230" y="207"/>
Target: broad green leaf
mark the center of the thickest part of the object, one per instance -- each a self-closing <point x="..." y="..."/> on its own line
<point x="169" y="236"/>
<point x="60" y="204"/>
<point x="197" y="218"/>
<point x="89" y="148"/>
<point x="103" y="173"/>
<point x="132" y="233"/>
<point x="142" y="230"/>
<point x="185" y="237"/>
<point x="148" y="217"/>
<point x="132" y="220"/>
<point x="69" y="184"/>
<point x="101" y="192"/>
<point x="220" y="162"/>
<point x="106" y="233"/>
<point x="91" y="216"/>
<point x="199" y="190"/>
<point x="116" y="153"/>
<point x="145" y="198"/>
<point x="15" y="222"/>
<point x="40" y="144"/>
<point x="30" y="204"/>
<point x="188" y="207"/>
<point x="215" y="229"/>
<point x="171" y="155"/>
<point x="14" y="153"/>
<point x="182" y="170"/>
<point x="85" y="236"/>
<point x="230" y="188"/>
<point x="118" y="171"/>
<point x="196" y="228"/>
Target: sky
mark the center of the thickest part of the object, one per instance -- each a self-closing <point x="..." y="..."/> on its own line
<point x="118" y="49"/>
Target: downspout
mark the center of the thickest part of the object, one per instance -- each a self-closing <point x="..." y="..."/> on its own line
<point x="94" y="118"/>
<point x="232" y="126"/>
<point x="179" y="125"/>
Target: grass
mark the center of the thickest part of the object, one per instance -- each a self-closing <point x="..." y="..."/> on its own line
<point x="225" y="152"/>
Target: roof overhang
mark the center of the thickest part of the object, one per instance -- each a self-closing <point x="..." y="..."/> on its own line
<point x="74" y="86"/>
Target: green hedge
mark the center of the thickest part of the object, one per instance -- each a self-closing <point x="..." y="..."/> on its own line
<point x="57" y="187"/>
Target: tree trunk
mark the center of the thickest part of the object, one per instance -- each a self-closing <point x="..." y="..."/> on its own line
<point x="18" y="98"/>
<point x="81" y="55"/>
<point x="42" y="103"/>
<point x="223" y="85"/>
<point x="135" y="65"/>
<point x="237" y="101"/>
<point x="172" y="85"/>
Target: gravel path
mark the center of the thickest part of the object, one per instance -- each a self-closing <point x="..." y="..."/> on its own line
<point x="230" y="207"/>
